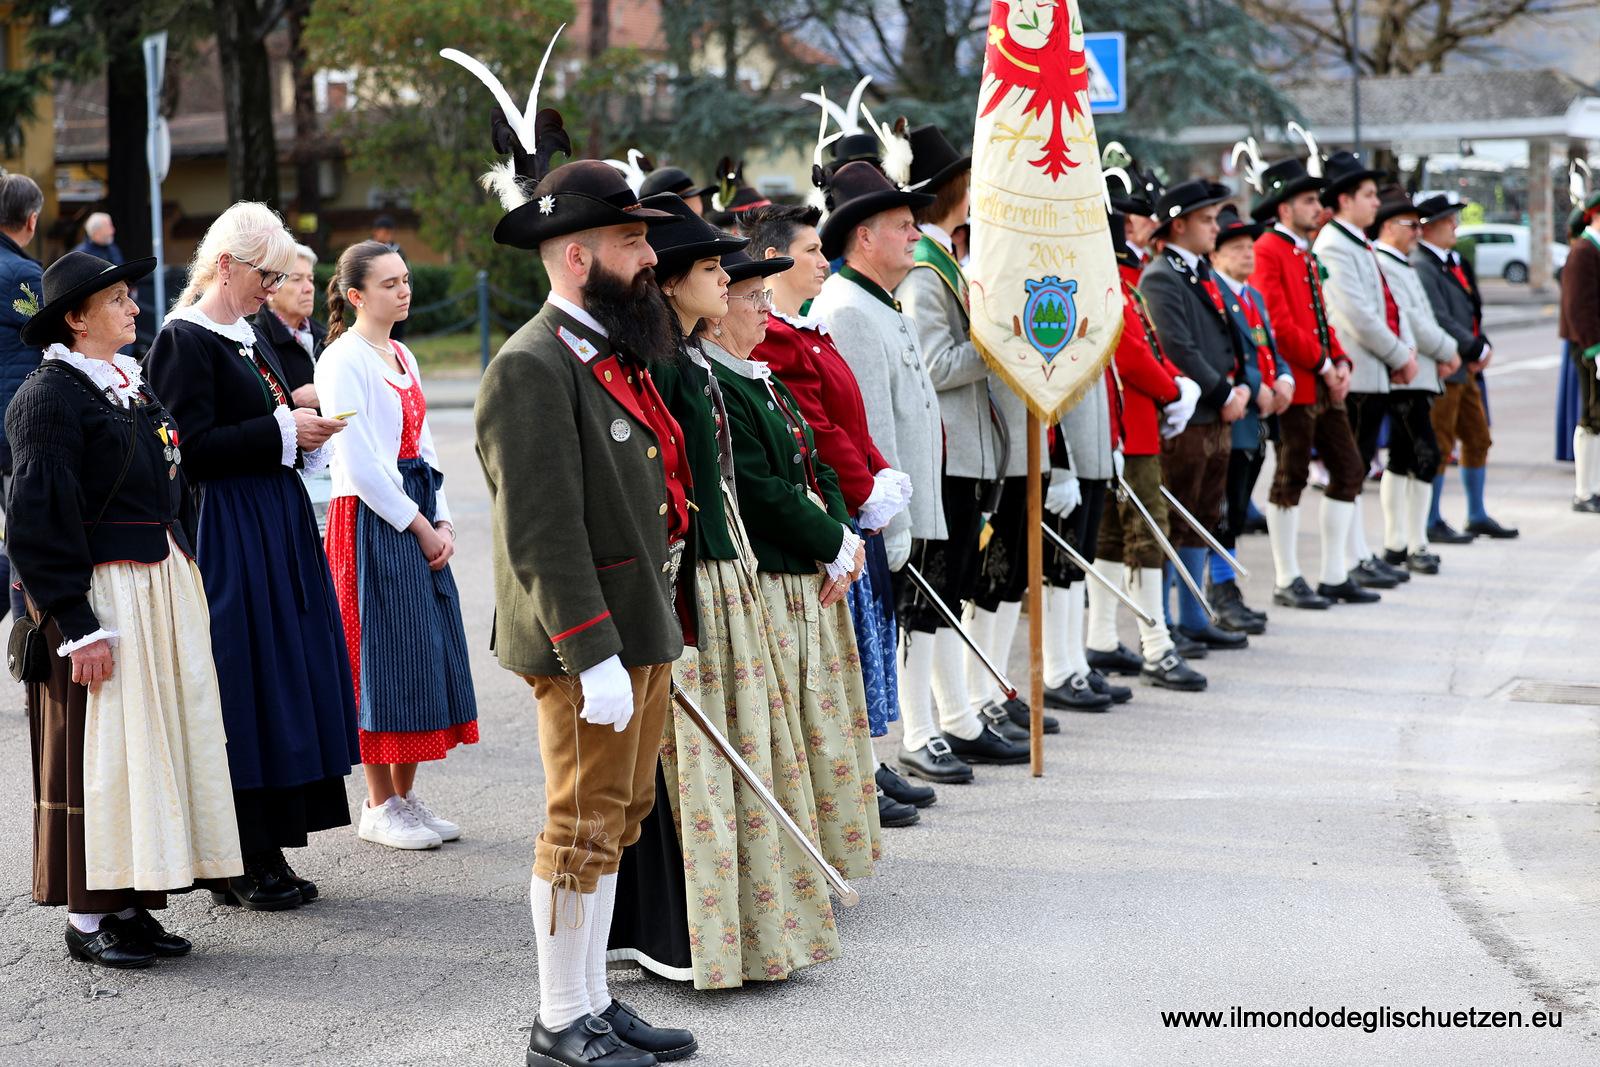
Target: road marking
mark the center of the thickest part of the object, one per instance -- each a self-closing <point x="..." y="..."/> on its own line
<point x="1501" y="370"/>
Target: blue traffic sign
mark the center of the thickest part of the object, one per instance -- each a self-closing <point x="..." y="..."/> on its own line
<point x="1108" y="72"/>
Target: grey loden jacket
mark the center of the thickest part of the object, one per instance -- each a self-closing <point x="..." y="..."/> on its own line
<point x="1354" y="291"/>
<point x="1434" y="345"/>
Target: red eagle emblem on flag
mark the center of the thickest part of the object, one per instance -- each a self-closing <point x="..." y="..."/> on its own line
<point x="1030" y="52"/>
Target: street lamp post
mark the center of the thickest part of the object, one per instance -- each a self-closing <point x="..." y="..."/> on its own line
<point x="1355" y="74"/>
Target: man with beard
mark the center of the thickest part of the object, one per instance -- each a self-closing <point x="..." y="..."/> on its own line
<point x="588" y="484"/>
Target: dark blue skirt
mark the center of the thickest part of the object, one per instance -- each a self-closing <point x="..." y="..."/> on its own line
<point x="1567" y="403"/>
<point x="287" y="700"/>
<point x="414" y="670"/>
<point x="872" y="610"/>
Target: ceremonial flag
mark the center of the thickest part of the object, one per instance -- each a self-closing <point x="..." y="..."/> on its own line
<point x="1046" y="303"/>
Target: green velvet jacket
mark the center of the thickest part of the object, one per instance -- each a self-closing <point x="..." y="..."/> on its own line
<point x="687" y="390"/>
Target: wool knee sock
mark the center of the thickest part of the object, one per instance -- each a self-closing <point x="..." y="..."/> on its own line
<point x="1191" y="613"/>
<point x="980" y="626"/>
<point x="1006" y="617"/>
<point x="1434" y="518"/>
<point x="1583" y="476"/>
<point x="1057" y="634"/>
<point x="605" y="902"/>
<point x="87" y="922"/>
<point x="1358" y="551"/>
<point x="563" y="955"/>
<point x="1221" y="571"/>
<point x="1472" y="480"/>
<point x="1283" y="530"/>
<point x="1145" y="586"/>
<point x="915" y="683"/>
<point x="1336" y="518"/>
<point x="950" y="671"/>
<point x="1102" y="623"/>
<point x="1418" y="493"/>
<point x="1392" y="493"/>
<point x="1591" y="451"/>
<point x="1075" y="614"/>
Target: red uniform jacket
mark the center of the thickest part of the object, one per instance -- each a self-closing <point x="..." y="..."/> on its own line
<point x="1288" y="279"/>
<point x="1147" y="378"/>
<point x="805" y="360"/>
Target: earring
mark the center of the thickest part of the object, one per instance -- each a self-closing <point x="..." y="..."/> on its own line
<point x="716" y="331"/>
<point x="666" y="292"/>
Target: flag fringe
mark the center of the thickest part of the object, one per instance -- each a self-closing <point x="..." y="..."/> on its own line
<point x="1046" y="415"/>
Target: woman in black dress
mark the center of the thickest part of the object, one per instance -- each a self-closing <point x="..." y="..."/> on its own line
<point x="288" y="703"/>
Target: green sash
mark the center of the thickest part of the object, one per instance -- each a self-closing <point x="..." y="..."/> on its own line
<point x="931" y="254"/>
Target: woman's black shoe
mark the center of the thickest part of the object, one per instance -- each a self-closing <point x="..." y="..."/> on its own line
<point x="285" y="873"/>
<point x="892" y="813"/>
<point x="259" y="889"/>
<point x="896" y="787"/>
<point x="116" y="944"/>
<point x="156" y="937"/>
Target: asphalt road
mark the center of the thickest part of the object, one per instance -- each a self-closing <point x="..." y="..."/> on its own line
<point x="1359" y="813"/>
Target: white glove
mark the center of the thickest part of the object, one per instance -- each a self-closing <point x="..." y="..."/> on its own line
<point x="1064" y="494"/>
<point x="845" y="561"/>
<point x="607" y="694"/>
<point x="1118" y="462"/>
<point x="1178" y="413"/>
<point x="904" y="481"/>
<point x="891" y="492"/>
<point x="898" y="548"/>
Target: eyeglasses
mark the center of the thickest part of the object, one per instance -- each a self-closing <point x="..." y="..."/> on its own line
<point x="760" y="300"/>
<point x="1407" y="224"/>
<point x="269" y="279"/>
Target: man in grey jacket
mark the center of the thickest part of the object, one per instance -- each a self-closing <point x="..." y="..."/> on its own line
<point x="1375" y="335"/>
<point x="1407" y="486"/>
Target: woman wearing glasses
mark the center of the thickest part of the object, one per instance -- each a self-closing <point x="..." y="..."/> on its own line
<point x="287" y="700"/>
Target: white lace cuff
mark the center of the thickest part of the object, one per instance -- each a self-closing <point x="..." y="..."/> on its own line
<point x="318" y="459"/>
<point x="287" y="430"/>
<point x="69" y="647"/>
<point x="845" y="561"/>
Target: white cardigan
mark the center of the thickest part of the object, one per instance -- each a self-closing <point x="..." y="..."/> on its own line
<point x="353" y="377"/>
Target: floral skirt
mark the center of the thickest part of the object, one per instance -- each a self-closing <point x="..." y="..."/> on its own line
<point x="821" y="671"/>
<point x="757" y="909"/>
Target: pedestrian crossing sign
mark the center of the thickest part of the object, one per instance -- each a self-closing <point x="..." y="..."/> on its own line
<point x="1108" y="72"/>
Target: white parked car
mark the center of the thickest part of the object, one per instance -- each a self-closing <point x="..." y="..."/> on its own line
<point x="1501" y="251"/>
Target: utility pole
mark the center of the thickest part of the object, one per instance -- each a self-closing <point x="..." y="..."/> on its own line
<point x="1355" y="74"/>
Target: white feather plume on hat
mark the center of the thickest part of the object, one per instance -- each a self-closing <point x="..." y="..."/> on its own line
<point x="1254" y="166"/>
<point x="897" y="153"/>
<point x="504" y="180"/>
<point x="634" y="169"/>
<point x="1580" y="179"/>
<point x="1314" y="160"/>
<point x="847" y="117"/>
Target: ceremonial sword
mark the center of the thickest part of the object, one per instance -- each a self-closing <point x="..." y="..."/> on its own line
<point x="1088" y="568"/>
<point x="1166" y="546"/>
<point x="1205" y="534"/>
<point x="955" y="624"/>
<point x="847" y="896"/>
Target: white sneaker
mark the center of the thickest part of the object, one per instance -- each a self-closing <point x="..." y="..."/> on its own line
<point x="395" y="825"/>
<point x="447" y="830"/>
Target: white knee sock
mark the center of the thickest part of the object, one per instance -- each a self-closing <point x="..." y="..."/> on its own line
<point x="980" y="626"/>
<point x="916" y="690"/>
<point x="1080" y="661"/>
<point x="1357" y="539"/>
<point x="1283" y="530"/>
<point x="605" y="902"/>
<point x="1102" y="624"/>
<point x="88" y="922"/>
<point x="1006" y="618"/>
<point x="1336" y="519"/>
<point x="1147" y="587"/>
<point x="1592" y="450"/>
<point x="563" y="955"/>
<point x="1392" y="490"/>
<point x="1419" y="495"/>
<point x="951" y="668"/>
<point x="1586" y="462"/>
<point x="1057" y="634"/>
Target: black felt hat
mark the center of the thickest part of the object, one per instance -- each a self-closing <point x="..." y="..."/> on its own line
<point x="1344" y="171"/>
<point x="1437" y="207"/>
<point x="1392" y="202"/>
<point x="672" y="180"/>
<point x="1282" y="180"/>
<point x="70" y="281"/>
<point x="934" y="160"/>
<point x="856" y="192"/>
<point x="858" y="147"/>
<point x="740" y="266"/>
<point x="583" y="195"/>
<point x="1230" y="226"/>
<point x="1188" y="196"/>
<point x="688" y="238"/>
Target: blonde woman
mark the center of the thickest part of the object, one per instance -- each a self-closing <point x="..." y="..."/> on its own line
<point x="287" y="700"/>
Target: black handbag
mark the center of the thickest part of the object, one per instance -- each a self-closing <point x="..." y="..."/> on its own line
<point x="27" y="652"/>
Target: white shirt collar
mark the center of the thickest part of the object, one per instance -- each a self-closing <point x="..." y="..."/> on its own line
<point x="1190" y="259"/>
<point x="803" y="322"/>
<point x="1236" y="286"/>
<point x="1299" y="242"/>
<point x="1389" y="248"/>
<point x="938" y="234"/>
<point x="1352" y="231"/>
<point x="577" y="312"/>
<point x="119" y="377"/>
<point x="1140" y="252"/>
<point x="1442" y="253"/>
<point x="240" y="331"/>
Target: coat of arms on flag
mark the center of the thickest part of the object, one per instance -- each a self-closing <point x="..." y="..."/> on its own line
<point x="1046" y="301"/>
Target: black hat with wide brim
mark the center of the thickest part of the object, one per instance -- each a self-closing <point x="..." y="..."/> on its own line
<point x="1279" y="182"/>
<point x="934" y="160"/>
<point x="687" y="239"/>
<point x="741" y="266"/>
<point x="855" y="193"/>
<point x="1231" y="226"/>
<point x="71" y="280"/>
<point x="1437" y="207"/>
<point x="585" y="194"/>
<point x="672" y="180"/>
<point x="1345" y="171"/>
<point x="1186" y="197"/>
<point x="1392" y="204"/>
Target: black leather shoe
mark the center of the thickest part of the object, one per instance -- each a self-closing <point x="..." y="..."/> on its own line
<point x="1299" y="594"/>
<point x="1232" y="612"/>
<point x="994" y="716"/>
<point x="259" y="889"/>
<point x="1589" y="506"/>
<point x="1216" y="637"/>
<point x="1186" y="647"/>
<point x="892" y="813"/>
<point x="1491" y="529"/>
<point x="934" y="762"/>
<point x="664" y="1044"/>
<point x="987" y="747"/>
<point x="285" y="873"/>
<point x="1123" y="660"/>
<point x="156" y="937"/>
<point x="1348" y="592"/>
<point x="1399" y="574"/>
<point x="1367" y="575"/>
<point x="1017" y="708"/>
<point x="116" y="944"/>
<point x="1422" y="563"/>
<point x="1442" y="533"/>
<point x="1076" y="694"/>
<point x="1119" y="694"/>
<point x="897" y="788"/>
<point x="589" y="1042"/>
<point x="1171" y="672"/>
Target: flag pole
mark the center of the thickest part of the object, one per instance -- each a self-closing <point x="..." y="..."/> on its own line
<point x="1035" y="597"/>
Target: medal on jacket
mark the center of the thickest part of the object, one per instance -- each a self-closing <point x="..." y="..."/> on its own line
<point x="169" y="439"/>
